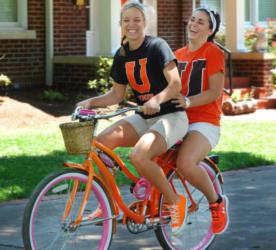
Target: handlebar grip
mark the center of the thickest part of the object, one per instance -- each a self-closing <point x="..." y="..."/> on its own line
<point x="140" y="108"/>
<point x="75" y="114"/>
<point x="87" y="112"/>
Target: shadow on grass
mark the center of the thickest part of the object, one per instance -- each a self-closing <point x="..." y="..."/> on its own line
<point x="19" y="175"/>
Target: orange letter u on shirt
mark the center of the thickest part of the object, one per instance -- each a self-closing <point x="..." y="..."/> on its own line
<point x="145" y="86"/>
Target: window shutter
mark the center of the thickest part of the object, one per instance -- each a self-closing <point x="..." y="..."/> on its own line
<point x="8" y="10"/>
<point x="267" y="9"/>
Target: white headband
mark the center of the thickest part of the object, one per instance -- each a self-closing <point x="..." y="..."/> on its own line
<point x="213" y="20"/>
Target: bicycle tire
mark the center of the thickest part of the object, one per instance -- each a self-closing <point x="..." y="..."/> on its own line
<point x="43" y="227"/>
<point x="197" y="234"/>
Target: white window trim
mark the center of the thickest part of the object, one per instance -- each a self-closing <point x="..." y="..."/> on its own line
<point x="18" y="30"/>
<point x="253" y="14"/>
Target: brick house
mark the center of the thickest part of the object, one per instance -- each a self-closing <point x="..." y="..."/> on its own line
<point x="57" y="42"/>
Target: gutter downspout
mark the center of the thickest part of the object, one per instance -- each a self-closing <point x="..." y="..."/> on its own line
<point x="49" y="42"/>
<point x="194" y="5"/>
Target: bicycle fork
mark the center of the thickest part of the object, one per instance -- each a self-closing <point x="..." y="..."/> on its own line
<point x="87" y="166"/>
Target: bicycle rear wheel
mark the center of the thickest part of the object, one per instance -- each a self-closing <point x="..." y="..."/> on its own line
<point x="197" y="234"/>
<point x="43" y="226"/>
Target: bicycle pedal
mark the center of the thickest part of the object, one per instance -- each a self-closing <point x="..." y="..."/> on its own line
<point x="157" y="221"/>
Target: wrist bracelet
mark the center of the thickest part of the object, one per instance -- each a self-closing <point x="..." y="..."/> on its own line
<point x="187" y="101"/>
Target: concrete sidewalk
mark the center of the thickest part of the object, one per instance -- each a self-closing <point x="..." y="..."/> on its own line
<point x="252" y="198"/>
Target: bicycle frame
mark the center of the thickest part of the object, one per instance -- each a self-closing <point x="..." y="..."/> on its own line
<point x="166" y="161"/>
<point x="108" y="178"/>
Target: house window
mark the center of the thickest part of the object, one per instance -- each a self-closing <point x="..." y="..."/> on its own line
<point x="14" y="20"/>
<point x="256" y="11"/>
<point x="267" y="9"/>
<point x="212" y="4"/>
<point x="13" y="14"/>
<point x="216" y="5"/>
<point x="8" y="11"/>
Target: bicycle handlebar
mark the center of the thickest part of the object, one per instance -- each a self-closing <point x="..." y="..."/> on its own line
<point x="88" y="114"/>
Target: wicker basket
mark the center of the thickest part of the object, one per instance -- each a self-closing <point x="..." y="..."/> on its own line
<point x="77" y="136"/>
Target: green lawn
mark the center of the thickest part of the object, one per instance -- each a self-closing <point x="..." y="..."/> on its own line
<point x="26" y="156"/>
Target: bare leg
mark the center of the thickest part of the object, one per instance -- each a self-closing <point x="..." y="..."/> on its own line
<point x="149" y="146"/>
<point x="120" y="134"/>
<point x="193" y="149"/>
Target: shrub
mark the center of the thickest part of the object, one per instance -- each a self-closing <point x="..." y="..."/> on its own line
<point x="273" y="71"/>
<point x="220" y="38"/>
<point x="4" y="80"/>
<point x="252" y="33"/>
<point x="103" y="82"/>
<point x="52" y="95"/>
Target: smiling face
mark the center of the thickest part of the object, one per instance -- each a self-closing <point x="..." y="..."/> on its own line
<point x="199" y="27"/>
<point x="133" y="25"/>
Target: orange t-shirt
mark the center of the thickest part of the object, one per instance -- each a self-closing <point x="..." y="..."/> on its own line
<point x="195" y="68"/>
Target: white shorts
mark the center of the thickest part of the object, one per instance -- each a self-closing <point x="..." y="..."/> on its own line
<point x="172" y="127"/>
<point x="209" y="131"/>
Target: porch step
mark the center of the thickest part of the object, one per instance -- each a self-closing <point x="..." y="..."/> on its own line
<point x="265" y="91"/>
<point x="268" y="102"/>
<point x="257" y="92"/>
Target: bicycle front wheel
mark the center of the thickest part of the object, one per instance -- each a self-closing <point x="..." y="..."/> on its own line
<point x="197" y="233"/>
<point x="44" y="225"/>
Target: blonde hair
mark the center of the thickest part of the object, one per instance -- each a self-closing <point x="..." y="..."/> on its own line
<point x="133" y="4"/>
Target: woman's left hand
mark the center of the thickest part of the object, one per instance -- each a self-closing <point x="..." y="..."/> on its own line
<point x="180" y="101"/>
<point x="151" y="107"/>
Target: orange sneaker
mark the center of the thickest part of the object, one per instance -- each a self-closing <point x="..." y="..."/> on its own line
<point x="178" y="214"/>
<point x="220" y="215"/>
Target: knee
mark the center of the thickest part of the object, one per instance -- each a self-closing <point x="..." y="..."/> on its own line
<point x="137" y="160"/>
<point x="185" y="165"/>
<point x="101" y="138"/>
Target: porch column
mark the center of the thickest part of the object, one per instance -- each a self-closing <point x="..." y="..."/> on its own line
<point x="104" y="26"/>
<point x="234" y="19"/>
<point x="115" y="25"/>
<point x="92" y="35"/>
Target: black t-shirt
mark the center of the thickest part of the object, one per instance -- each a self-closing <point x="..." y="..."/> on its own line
<point x="142" y="69"/>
